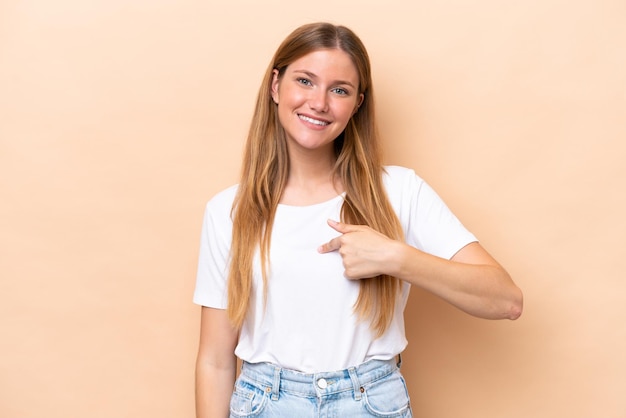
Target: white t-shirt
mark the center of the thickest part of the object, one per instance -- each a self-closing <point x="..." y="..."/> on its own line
<point x="308" y="323"/>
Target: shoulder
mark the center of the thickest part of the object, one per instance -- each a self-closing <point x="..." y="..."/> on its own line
<point x="222" y="202"/>
<point x="399" y="179"/>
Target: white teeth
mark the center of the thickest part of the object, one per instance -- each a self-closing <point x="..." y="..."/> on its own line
<point x="313" y="121"/>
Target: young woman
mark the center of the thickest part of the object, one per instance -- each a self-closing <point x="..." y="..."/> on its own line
<point x="305" y="266"/>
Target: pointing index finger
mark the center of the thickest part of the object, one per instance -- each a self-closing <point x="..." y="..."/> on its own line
<point x="338" y="226"/>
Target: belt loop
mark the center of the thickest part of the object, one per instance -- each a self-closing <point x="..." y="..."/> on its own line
<point x="399" y="360"/>
<point x="276" y="384"/>
<point x="355" y="383"/>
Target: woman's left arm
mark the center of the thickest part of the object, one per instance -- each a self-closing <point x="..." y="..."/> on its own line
<point x="472" y="280"/>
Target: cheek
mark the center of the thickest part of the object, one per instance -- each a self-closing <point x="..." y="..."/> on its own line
<point x="346" y="111"/>
<point x="291" y="96"/>
<point x="286" y="109"/>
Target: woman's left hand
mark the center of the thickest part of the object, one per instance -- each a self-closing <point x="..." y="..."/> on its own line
<point x="365" y="252"/>
<point x="471" y="280"/>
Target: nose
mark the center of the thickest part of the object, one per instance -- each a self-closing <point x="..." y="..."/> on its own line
<point x="318" y="100"/>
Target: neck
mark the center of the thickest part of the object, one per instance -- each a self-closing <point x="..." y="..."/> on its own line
<point x="310" y="178"/>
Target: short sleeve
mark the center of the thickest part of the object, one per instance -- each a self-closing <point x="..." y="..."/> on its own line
<point x="214" y="255"/>
<point x="428" y="223"/>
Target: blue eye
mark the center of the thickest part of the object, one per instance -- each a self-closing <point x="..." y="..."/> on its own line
<point x="341" y="91"/>
<point x="304" y="81"/>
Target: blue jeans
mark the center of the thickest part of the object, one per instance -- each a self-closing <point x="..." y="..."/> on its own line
<point x="374" y="389"/>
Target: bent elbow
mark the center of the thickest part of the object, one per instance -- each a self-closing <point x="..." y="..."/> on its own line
<point x="516" y="306"/>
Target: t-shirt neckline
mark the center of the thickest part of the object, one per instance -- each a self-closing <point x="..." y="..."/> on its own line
<point x="313" y="205"/>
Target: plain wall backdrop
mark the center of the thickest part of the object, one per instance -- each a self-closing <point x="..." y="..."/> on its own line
<point x="120" y="119"/>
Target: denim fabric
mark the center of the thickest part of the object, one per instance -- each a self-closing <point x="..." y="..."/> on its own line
<point x="374" y="389"/>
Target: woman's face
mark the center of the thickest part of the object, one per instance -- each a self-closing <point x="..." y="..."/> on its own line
<point x="316" y="96"/>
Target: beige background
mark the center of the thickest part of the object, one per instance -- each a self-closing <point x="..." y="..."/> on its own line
<point x="120" y="118"/>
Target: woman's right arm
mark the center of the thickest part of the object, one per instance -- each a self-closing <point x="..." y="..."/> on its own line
<point x="216" y="364"/>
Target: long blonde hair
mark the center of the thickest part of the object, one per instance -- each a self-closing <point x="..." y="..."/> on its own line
<point x="266" y="166"/>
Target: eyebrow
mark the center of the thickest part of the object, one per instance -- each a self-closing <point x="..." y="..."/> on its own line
<point x="312" y="75"/>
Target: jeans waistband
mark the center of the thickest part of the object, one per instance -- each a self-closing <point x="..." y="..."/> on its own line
<point x="275" y="379"/>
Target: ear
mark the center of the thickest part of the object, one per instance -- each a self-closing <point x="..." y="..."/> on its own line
<point x="359" y="102"/>
<point x="275" y="84"/>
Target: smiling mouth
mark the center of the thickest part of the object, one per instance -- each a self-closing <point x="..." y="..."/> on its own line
<point x="314" y="121"/>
